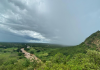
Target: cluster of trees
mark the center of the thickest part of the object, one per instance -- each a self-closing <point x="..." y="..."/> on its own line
<point x="54" y="57"/>
<point x="15" y="60"/>
<point x="14" y="64"/>
<point x="80" y="61"/>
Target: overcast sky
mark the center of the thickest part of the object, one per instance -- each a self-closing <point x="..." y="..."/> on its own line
<point x="67" y="22"/>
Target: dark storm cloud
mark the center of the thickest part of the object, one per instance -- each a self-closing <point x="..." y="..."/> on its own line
<point x="55" y="21"/>
<point x="18" y="3"/>
<point x="48" y="18"/>
<point x="30" y="38"/>
<point x="29" y="17"/>
<point x="6" y="36"/>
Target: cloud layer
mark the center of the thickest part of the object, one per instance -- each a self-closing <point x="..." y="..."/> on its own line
<point x="46" y="21"/>
<point x="23" y="18"/>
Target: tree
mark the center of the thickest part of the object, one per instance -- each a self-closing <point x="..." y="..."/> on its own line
<point x="20" y="54"/>
<point x="32" y="52"/>
<point x="26" y="63"/>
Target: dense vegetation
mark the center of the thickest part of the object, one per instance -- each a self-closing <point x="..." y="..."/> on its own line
<point x="85" y="56"/>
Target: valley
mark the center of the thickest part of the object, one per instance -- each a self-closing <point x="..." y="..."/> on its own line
<point x="41" y="56"/>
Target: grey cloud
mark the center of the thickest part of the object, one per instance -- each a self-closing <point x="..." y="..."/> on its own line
<point x="31" y="19"/>
<point x="6" y="36"/>
<point x="56" y="22"/>
<point x="18" y="3"/>
<point x="31" y="38"/>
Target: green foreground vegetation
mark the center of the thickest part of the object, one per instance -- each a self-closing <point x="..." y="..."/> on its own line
<point x="85" y="56"/>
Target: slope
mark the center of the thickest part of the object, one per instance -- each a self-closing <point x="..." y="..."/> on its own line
<point x="92" y="42"/>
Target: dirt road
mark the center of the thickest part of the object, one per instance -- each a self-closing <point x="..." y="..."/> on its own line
<point x="29" y="56"/>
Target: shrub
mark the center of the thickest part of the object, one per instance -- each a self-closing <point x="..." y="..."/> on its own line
<point x="59" y="58"/>
<point x="94" y="56"/>
<point x="32" y="52"/>
<point x="20" y="54"/>
<point x="10" y="61"/>
<point x="30" y="68"/>
<point x="26" y="63"/>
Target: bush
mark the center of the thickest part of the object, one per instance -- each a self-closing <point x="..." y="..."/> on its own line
<point x="32" y="52"/>
<point x="20" y="54"/>
<point x="26" y="63"/>
<point x="44" y="60"/>
<point x="59" y="58"/>
<point x="94" y="56"/>
<point x="38" y="50"/>
<point x="1" y="61"/>
<point x="87" y="61"/>
<point x="3" y="67"/>
<point x="20" y="57"/>
<point x="30" y="68"/>
<point x="10" y="61"/>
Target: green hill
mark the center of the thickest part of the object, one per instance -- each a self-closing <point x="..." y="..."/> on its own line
<point x="85" y="56"/>
<point x="92" y="43"/>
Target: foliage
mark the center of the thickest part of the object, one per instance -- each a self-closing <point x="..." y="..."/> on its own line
<point x="80" y="61"/>
<point x="26" y="63"/>
<point x="20" y="54"/>
<point x="32" y="52"/>
<point x="54" y="57"/>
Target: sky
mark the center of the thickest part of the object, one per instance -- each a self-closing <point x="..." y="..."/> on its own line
<point x="67" y="22"/>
